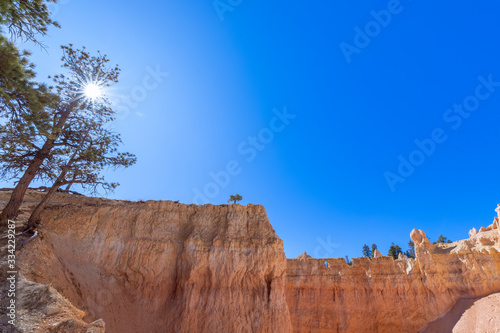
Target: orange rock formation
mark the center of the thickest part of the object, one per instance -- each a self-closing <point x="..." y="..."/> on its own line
<point x="163" y="266"/>
<point x="168" y="267"/>
<point x="386" y="295"/>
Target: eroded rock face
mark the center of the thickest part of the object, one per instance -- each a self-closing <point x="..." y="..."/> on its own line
<point x="377" y="254"/>
<point x="167" y="267"/>
<point x="386" y="295"/>
<point x="469" y="315"/>
<point x="304" y="256"/>
<point x="43" y="309"/>
<point x="163" y="266"/>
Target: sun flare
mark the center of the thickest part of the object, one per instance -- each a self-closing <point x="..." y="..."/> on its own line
<point x="93" y="91"/>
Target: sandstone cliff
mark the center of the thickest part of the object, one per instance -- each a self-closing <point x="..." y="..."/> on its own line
<point x="163" y="266"/>
<point x="386" y="295"/>
<point x="168" y="267"/>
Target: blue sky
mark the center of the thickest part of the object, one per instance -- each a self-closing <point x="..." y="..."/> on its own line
<point x="307" y="109"/>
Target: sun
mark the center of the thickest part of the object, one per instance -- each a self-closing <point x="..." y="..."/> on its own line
<point x="93" y="91"/>
<point x="90" y="89"/>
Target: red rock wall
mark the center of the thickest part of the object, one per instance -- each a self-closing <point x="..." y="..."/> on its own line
<point x="168" y="267"/>
<point x="164" y="267"/>
<point x="386" y="295"/>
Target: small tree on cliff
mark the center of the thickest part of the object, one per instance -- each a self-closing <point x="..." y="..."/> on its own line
<point x="374" y="247"/>
<point x="442" y="239"/>
<point x="235" y="198"/>
<point x="394" y="251"/>
<point x="31" y="142"/>
<point x="366" y="251"/>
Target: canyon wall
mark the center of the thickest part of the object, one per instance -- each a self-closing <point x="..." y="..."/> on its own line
<point x="386" y="295"/>
<point x="163" y="266"/>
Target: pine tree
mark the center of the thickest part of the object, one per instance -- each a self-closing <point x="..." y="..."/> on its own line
<point x="410" y="253"/>
<point x="394" y="251"/>
<point x="366" y="251"/>
<point x="18" y="91"/>
<point x="31" y="142"/>
<point x="26" y="19"/>
<point x="235" y="198"/>
<point x="20" y="96"/>
<point x="374" y="247"/>
<point x="442" y="239"/>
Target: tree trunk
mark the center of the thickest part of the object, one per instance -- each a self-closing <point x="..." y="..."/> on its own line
<point x="35" y="215"/>
<point x="16" y="199"/>
<point x="68" y="187"/>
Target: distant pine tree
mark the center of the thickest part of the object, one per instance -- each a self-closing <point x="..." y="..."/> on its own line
<point x="235" y="198"/>
<point x="442" y="239"/>
<point x="394" y="251"/>
<point x="410" y="253"/>
<point x="366" y="251"/>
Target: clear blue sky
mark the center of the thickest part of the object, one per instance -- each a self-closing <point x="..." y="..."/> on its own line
<point x="358" y="102"/>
